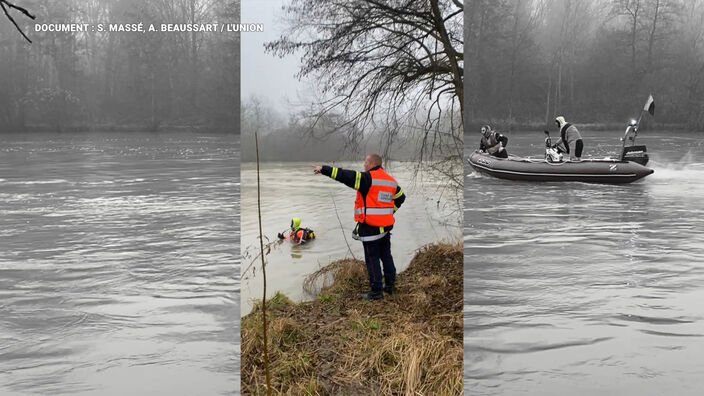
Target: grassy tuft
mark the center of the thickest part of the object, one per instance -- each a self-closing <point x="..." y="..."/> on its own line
<point x="339" y="277"/>
<point x="277" y="302"/>
<point x="408" y="344"/>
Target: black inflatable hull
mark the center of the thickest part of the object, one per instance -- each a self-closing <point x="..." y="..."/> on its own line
<point x="538" y="170"/>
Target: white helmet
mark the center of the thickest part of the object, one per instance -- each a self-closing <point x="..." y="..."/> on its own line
<point x="560" y="121"/>
<point x="486" y="130"/>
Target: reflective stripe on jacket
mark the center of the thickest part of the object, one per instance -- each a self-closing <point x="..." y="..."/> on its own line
<point x="378" y="210"/>
<point x="362" y="182"/>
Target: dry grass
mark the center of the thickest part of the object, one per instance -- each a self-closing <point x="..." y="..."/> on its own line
<point x="413" y="362"/>
<point x="408" y="344"/>
<point x="341" y="277"/>
<point x="278" y="301"/>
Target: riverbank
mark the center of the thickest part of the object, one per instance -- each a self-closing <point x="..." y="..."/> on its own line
<point x="409" y="343"/>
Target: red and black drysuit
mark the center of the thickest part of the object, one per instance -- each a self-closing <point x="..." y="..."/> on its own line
<point x="301" y="236"/>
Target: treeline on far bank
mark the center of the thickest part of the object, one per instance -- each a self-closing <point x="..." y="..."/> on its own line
<point x="115" y="81"/>
<point x="593" y="61"/>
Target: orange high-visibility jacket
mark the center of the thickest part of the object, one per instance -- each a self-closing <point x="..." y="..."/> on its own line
<point x="378" y="208"/>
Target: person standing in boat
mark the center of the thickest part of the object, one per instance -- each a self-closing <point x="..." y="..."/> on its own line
<point x="570" y="139"/>
<point x="493" y="142"/>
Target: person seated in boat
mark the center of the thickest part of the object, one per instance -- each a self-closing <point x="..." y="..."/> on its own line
<point x="298" y="235"/>
<point x="570" y="140"/>
<point x="493" y="142"/>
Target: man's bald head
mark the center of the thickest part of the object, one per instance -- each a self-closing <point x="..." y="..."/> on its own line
<point x="372" y="161"/>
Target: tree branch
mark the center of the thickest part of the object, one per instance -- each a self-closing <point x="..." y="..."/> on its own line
<point x="5" y="5"/>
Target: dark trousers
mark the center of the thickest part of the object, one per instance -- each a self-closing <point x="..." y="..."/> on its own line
<point x="578" y="147"/>
<point x="501" y="154"/>
<point x="374" y="252"/>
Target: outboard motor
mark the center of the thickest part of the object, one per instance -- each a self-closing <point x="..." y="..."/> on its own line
<point x="631" y="152"/>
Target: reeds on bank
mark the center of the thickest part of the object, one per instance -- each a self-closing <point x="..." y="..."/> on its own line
<point x="407" y="344"/>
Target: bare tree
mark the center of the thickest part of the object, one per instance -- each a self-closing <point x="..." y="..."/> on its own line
<point x="526" y="15"/>
<point x="381" y="61"/>
<point x="6" y="6"/>
<point x="589" y="59"/>
<point x="103" y="79"/>
<point x="632" y="10"/>
<point x="566" y="35"/>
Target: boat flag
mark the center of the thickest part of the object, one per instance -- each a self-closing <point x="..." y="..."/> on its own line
<point x="650" y="105"/>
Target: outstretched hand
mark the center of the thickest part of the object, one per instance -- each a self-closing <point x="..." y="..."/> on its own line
<point x="317" y="169"/>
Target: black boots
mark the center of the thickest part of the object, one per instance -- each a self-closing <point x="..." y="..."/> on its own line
<point x="378" y="295"/>
<point x="373" y="295"/>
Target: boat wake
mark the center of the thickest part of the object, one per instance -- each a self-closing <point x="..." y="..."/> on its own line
<point x="687" y="168"/>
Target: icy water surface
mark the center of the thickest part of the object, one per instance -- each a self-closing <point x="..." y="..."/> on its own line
<point x="119" y="264"/>
<point x="587" y="289"/>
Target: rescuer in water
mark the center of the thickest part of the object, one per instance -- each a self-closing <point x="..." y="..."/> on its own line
<point x="298" y="235"/>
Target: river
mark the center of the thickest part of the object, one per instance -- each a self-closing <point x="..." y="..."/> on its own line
<point x="290" y="189"/>
<point x="587" y="289"/>
<point x="119" y="262"/>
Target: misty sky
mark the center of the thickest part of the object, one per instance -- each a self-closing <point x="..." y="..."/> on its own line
<point x="263" y="74"/>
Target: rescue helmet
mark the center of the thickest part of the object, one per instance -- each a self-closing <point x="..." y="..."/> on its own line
<point x="295" y="223"/>
<point x="486" y="130"/>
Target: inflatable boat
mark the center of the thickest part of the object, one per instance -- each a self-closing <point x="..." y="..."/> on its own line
<point x="627" y="168"/>
<point x="611" y="171"/>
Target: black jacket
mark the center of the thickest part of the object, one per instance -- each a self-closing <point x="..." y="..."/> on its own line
<point x="494" y="139"/>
